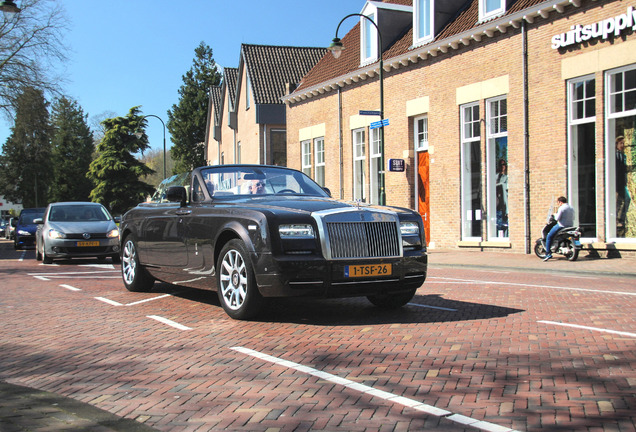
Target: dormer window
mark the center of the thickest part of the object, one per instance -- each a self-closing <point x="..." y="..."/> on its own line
<point x="423" y="31"/>
<point x="491" y="8"/>
<point x="369" y="46"/>
<point x="248" y="91"/>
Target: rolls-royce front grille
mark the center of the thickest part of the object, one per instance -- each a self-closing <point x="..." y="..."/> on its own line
<point x="363" y="239"/>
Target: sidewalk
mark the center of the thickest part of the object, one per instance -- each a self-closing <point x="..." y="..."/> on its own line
<point x="586" y="263"/>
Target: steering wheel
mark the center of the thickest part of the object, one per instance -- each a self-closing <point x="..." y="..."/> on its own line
<point x="283" y="191"/>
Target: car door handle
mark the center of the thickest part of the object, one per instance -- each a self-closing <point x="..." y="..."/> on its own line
<point x="183" y="212"/>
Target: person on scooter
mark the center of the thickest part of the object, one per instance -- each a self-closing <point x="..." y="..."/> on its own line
<point x="564" y="218"/>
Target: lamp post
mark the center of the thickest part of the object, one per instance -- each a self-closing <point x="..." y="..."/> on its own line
<point x="336" y="49"/>
<point x="138" y="134"/>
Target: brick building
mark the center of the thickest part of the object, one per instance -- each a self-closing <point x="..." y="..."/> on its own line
<point x="246" y="117"/>
<point x="496" y="108"/>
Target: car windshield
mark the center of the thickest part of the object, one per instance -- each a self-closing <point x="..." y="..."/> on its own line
<point x="229" y="181"/>
<point x="28" y="218"/>
<point x="78" y="213"/>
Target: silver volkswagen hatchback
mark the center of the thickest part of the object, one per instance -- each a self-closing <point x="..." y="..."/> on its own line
<point x="76" y="229"/>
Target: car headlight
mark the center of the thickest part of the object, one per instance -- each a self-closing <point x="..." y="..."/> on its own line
<point x="113" y="233"/>
<point x="54" y="234"/>
<point x="296" y="231"/>
<point x="23" y="233"/>
<point x="409" y="228"/>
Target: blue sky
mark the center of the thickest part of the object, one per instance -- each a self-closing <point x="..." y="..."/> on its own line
<point x="125" y="53"/>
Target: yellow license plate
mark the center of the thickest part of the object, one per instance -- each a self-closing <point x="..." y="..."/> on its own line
<point x="367" y="270"/>
<point x="88" y="243"/>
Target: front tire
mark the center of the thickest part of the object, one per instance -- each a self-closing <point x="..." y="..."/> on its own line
<point x="236" y="282"/>
<point x="392" y="301"/>
<point x="134" y="275"/>
<point x="38" y="254"/>
<point x="539" y="250"/>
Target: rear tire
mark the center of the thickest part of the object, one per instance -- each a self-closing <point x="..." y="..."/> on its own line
<point x="136" y="278"/>
<point x="574" y="252"/>
<point x="392" y="301"/>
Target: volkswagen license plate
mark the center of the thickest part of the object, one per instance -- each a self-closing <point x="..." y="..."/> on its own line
<point x="88" y="243"/>
<point x="368" y="270"/>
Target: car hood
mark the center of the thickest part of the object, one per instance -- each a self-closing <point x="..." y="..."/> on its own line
<point x="300" y="204"/>
<point x="82" y="227"/>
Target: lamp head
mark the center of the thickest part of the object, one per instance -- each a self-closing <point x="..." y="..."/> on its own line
<point x="9" y="8"/>
<point x="336" y="47"/>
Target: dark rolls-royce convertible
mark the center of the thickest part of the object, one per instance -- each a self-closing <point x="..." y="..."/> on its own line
<point x="254" y="231"/>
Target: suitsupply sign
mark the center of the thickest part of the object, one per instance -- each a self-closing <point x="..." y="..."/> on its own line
<point x="602" y="29"/>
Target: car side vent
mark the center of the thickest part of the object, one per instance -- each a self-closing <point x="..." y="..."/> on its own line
<point x="363" y="239"/>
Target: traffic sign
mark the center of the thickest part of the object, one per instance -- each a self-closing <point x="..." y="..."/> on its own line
<point x="379" y="123"/>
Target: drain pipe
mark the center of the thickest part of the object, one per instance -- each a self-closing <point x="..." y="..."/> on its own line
<point x="526" y="139"/>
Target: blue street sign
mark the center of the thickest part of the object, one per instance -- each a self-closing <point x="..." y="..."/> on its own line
<point x="367" y="112"/>
<point x="379" y="123"/>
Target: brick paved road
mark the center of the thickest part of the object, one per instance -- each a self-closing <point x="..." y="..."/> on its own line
<point x="476" y="350"/>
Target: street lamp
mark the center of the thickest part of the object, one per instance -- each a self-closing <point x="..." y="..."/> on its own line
<point x="336" y="49"/>
<point x="9" y="8"/>
<point x="138" y="134"/>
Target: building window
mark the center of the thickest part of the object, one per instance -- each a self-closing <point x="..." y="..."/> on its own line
<point x="369" y="46"/>
<point x="319" y="160"/>
<point x="359" y="163"/>
<point x="305" y="150"/>
<point x="621" y="152"/>
<point x="491" y="8"/>
<point x="423" y="21"/>
<point x="471" y="172"/>
<point x="582" y="153"/>
<point x="421" y="133"/>
<point x="497" y="167"/>
<point x="375" y="166"/>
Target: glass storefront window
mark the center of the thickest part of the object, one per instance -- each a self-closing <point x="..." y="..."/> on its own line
<point x="375" y="167"/>
<point x="319" y="144"/>
<point x="471" y="172"/>
<point x="497" y="153"/>
<point x="305" y="149"/>
<point x="621" y="152"/>
<point x="582" y="153"/>
<point x="359" y="162"/>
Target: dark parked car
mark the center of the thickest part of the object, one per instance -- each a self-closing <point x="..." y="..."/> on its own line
<point x="76" y="229"/>
<point x="24" y="235"/>
<point x="253" y="231"/>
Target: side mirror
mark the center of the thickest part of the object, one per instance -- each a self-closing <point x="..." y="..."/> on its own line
<point x="327" y="190"/>
<point x="38" y="221"/>
<point x="176" y="194"/>
<point x="117" y="219"/>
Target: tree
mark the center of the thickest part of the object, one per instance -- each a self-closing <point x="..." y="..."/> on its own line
<point x="72" y="152"/>
<point x="154" y="159"/>
<point x="187" y="120"/>
<point x="116" y="173"/>
<point x="30" y="49"/>
<point x="25" y="165"/>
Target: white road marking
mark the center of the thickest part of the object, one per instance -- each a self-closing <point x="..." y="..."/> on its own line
<point x="147" y="300"/>
<point x="41" y="278"/>
<point x="533" y="286"/>
<point x="622" y="333"/>
<point x="68" y="287"/>
<point x="169" y="322"/>
<point x="428" y="409"/>
<point x="432" y="307"/>
<point x="110" y="302"/>
<point x="72" y="273"/>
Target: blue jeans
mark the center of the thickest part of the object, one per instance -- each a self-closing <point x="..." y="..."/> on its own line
<point x="549" y="237"/>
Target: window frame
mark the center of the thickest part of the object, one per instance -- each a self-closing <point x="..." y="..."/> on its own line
<point x="319" y="161"/>
<point x="306" y="157"/>
<point x="420" y="144"/>
<point x="418" y="17"/>
<point x="485" y="15"/>
<point x="496" y="129"/>
<point x="466" y="181"/>
<point x="369" y="38"/>
<point x="359" y="164"/>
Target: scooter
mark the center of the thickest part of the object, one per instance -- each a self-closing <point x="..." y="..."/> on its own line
<point x="566" y="241"/>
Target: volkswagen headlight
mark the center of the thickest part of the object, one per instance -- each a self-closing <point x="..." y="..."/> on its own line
<point x="113" y="233"/>
<point x="54" y="234"/>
